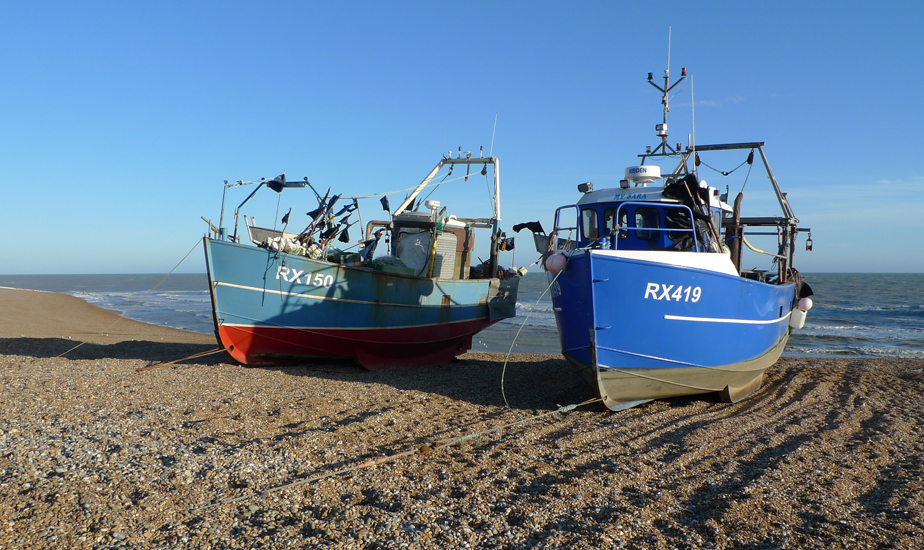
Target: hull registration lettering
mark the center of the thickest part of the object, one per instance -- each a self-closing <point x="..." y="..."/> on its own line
<point x="676" y="293"/>
<point x="292" y="275"/>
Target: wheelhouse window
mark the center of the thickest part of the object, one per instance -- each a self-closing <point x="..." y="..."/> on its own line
<point x="647" y="223"/>
<point x="677" y="218"/>
<point x="589" y="224"/>
<point x="610" y="225"/>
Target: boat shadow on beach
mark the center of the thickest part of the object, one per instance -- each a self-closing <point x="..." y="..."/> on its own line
<point x="541" y="382"/>
<point x="526" y="382"/>
<point x="144" y="350"/>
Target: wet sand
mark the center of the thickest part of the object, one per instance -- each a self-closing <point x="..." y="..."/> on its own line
<point x="207" y="453"/>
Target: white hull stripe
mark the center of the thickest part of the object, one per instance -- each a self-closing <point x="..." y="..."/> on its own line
<point x="346" y="329"/>
<point x="731" y="321"/>
<point x="332" y="299"/>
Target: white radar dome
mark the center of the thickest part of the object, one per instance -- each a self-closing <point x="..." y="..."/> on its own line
<point x="643" y="174"/>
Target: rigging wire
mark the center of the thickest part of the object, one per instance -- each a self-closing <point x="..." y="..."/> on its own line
<point x="143" y="298"/>
<point x="435" y="187"/>
<point x="373" y="195"/>
<point x="692" y="120"/>
<point x="487" y="182"/>
<point x="514" y="341"/>
<point x="423" y="451"/>
<point x="748" y="161"/>
<point x="509" y="351"/>
<point x="682" y="86"/>
<point x="746" y="176"/>
<point x="278" y="202"/>
<point x="493" y="132"/>
<point x="426" y="449"/>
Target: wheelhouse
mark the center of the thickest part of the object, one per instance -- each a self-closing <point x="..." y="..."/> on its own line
<point x="634" y="225"/>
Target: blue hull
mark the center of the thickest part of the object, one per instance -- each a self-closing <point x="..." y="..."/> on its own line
<point x="270" y="307"/>
<point x="651" y="325"/>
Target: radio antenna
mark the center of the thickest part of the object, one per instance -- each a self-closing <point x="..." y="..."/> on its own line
<point x="661" y="129"/>
<point x="491" y="152"/>
<point x="693" y="123"/>
<point x="668" y="48"/>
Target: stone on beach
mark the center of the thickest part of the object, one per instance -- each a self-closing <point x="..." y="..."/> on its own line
<point x="94" y="454"/>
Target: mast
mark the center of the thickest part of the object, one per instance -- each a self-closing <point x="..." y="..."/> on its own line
<point x="492" y="223"/>
<point x="661" y="129"/>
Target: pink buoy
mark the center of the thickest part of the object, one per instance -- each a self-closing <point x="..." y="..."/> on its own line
<point x="805" y="304"/>
<point x="556" y="263"/>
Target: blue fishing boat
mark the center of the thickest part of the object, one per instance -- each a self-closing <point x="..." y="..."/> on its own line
<point x="287" y="296"/>
<point x="650" y="296"/>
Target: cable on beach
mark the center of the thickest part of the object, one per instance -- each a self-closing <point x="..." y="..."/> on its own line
<point x="193" y="356"/>
<point x="515" y="336"/>
<point x="141" y="301"/>
<point x="509" y="351"/>
<point x="424" y="450"/>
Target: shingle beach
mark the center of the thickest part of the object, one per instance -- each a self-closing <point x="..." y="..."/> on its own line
<point x="206" y="453"/>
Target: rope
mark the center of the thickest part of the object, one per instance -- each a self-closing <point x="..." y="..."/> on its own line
<point x="490" y="191"/>
<point x="424" y="450"/>
<point x="699" y="161"/>
<point x="139" y="301"/>
<point x="746" y="176"/>
<point x="759" y="251"/>
<point x="193" y="356"/>
<point x="436" y="186"/>
<point x="373" y="195"/>
<point x="517" y="335"/>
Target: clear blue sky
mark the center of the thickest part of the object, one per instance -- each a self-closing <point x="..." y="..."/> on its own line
<point x="120" y="120"/>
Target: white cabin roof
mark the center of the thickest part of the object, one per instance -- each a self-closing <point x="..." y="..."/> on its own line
<point x="641" y="194"/>
<point x="617" y="194"/>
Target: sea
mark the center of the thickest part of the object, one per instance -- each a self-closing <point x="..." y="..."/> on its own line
<point x="854" y="314"/>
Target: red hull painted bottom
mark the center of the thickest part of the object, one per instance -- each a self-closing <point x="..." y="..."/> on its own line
<point x="373" y="349"/>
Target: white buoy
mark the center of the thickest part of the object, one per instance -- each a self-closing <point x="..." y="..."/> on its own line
<point x="805" y="304"/>
<point x="556" y="263"/>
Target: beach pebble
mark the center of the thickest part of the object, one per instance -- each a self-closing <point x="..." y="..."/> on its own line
<point x="95" y="454"/>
